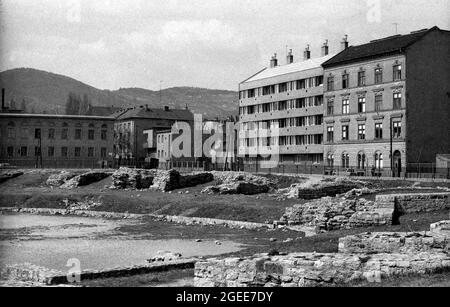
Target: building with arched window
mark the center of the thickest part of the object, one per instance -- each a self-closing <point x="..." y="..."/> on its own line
<point x="387" y="102"/>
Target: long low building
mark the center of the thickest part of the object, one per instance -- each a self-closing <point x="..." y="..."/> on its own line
<point x="44" y="140"/>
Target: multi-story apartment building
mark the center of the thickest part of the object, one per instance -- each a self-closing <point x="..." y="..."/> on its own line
<point x="42" y="140"/>
<point x="387" y="102"/>
<point x="281" y="111"/>
<point x="135" y="131"/>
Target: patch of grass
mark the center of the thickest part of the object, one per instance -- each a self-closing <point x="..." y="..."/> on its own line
<point x="181" y="278"/>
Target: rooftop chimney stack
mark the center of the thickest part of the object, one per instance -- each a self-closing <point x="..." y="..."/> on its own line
<point x="3" y="99"/>
<point x="307" y="53"/>
<point x="325" y="48"/>
<point x="274" y="61"/>
<point x="344" y="43"/>
<point x="290" y="57"/>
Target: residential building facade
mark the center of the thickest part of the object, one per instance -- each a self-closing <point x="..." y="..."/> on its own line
<point x="281" y="112"/>
<point x="42" y="140"/>
<point x="387" y="103"/>
<point x="136" y="128"/>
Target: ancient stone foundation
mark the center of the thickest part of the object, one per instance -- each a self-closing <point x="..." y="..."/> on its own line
<point x="311" y="270"/>
<point x="414" y="203"/>
<point x="331" y="214"/>
<point x="387" y="242"/>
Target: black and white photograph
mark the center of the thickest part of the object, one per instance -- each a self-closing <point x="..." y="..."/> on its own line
<point x="225" y="150"/>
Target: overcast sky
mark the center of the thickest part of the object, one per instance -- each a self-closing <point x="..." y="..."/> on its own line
<point x="203" y="43"/>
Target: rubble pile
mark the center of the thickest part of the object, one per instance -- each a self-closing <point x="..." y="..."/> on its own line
<point x="85" y="179"/>
<point x="166" y="180"/>
<point x="57" y="180"/>
<point x="239" y="183"/>
<point x="316" y="187"/>
<point x="128" y="178"/>
<point x="164" y="256"/>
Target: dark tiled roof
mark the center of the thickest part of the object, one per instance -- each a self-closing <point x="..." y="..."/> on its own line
<point x="144" y="113"/>
<point x="389" y="45"/>
<point x="102" y="111"/>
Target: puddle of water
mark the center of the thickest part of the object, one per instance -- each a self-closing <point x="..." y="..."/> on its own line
<point x="64" y="238"/>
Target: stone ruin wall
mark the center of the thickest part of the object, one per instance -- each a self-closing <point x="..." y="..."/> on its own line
<point x="312" y="270"/>
<point x="420" y="202"/>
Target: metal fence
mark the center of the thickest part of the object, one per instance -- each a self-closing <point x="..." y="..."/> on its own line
<point x="412" y="170"/>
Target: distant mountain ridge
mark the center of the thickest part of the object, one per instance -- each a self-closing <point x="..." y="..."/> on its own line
<point x="40" y="91"/>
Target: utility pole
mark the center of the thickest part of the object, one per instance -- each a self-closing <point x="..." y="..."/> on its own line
<point x="160" y="92"/>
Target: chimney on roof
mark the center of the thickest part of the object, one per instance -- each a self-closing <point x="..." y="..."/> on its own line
<point x="290" y="57"/>
<point x="325" y="48"/>
<point x="344" y="43"/>
<point x="3" y="98"/>
<point x="307" y="53"/>
<point x="274" y="61"/>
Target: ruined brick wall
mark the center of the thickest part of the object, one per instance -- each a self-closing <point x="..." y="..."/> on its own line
<point x="310" y="269"/>
<point x="413" y="203"/>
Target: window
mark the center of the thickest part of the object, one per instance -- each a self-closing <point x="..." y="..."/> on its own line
<point x="11" y="130"/>
<point x="37" y="133"/>
<point x="64" y="152"/>
<point x="251" y="93"/>
<point x="362" y="105"/>
<point x="77" y="134"/>
<point x="330" y="160"/>
<point x="345" y="160"/>
<point x="345" y="133"/>
<point x="51" y="134"/>
<point x="330" y="107"/>
<point x="51" y="151"/>
<point x="397" y="101"/>
<point x="301" y="84"/>
<point x="64" y="134"/>
<point x="378" y="103"/>
<point x="345" y="81"/>
<point x="330" y="83"/>
<point x="282" y="87"/>
<point x="318" y="101"/>
<point x="104" y="135"/>
<point x="379" y="160"/>
<point x="282" y="105"/>
<point x="361" y="131"/>
<point x="10" y="151"/>
<point x="91" y="134"/>
<point x="378" y="131"/>
<point x="23" y="151"/>
<point x="282" y="123"/>
<point x="90" y="152"/>
<point x="361" y="78"/>
<point x="268" y="90"/>
<point x="319" y="81"/>
<point x="346" y="106"/>
<point x="330" y="134"/>
<point x="77" y="151"/>
<point x="397" y="72"/>
<point x="378" y="75"/>
<point x="361" y="160"/>
<point x="397" y="130"/>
